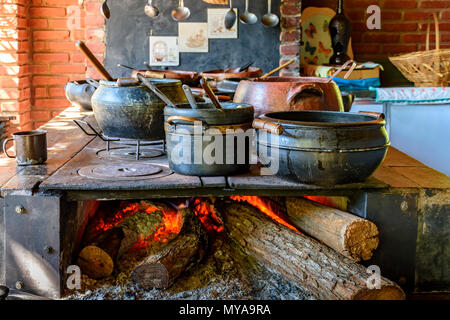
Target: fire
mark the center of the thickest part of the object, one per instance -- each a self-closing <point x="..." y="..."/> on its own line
<point x="207" y="215"/>
<point x="266" y="207"/>
<point x="170" y="225"/>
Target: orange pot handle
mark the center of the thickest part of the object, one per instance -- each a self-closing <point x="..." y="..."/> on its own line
<point x="299" y="89"/>
<point x="270" y="127"/>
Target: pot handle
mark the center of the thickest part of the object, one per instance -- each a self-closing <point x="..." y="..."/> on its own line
<point x="299" y="89"/>
<point x="171" y="119"/>
<point x="270" y="127"/>
<point x="380" y="116"/>
<point x="5" y="151"/>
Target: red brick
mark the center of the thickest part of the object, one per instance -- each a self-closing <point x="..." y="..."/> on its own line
<point x="435" y="4"/>
<point x="51" y="57"/>
<point x="71" y="68"/>
<point x="51" y="35"/>
<point x="47" y="12"/>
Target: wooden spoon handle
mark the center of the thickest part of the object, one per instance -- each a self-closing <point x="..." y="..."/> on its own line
<point x="90" y="56"/>
<point x="210" y="93"/>
<point x="278" y="69"/>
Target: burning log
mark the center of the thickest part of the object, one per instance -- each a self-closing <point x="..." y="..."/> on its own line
<point x="352" y="236"/>
<point x="319" y="269"/>
<point x="134" y="225"/>
<point x="185" y="251"/>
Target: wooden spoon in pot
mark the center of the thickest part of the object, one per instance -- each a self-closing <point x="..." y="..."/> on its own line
<point x="90" y="56"/>
<point x="210" y="93"/>
<point x="155" y="90"/>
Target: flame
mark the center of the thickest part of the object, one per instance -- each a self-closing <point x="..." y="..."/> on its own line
<point x="171" y="222"/>
<point x="266" y="207"/>
<point x="207" y="214"/>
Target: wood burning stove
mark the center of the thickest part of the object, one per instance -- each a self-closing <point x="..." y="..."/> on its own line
<point x="48" y="208"/>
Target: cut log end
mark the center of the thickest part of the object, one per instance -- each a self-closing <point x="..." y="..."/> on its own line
<point x="361" y="239"/>
<point x="387" y="292"/>
<point x="151" y="276"/>
<point x="95" y="262"/>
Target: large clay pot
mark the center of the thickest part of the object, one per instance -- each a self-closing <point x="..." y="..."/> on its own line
<point x="275" y="94"/>
<point x="134" y="112"/>
<point x="322" y="147"/>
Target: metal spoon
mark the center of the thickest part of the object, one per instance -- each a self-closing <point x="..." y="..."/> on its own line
<point x="230" y="17"/>
<point x="155" y="90"/>
<point x="188" y="92"/>
<point x="270" y="19"/>
<point x="151" y="10"/>
<point x="181" y="13"/>
<point x="105" y="10"/>
<point x="248" y="17"/>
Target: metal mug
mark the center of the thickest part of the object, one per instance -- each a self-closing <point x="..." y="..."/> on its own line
<point x="30" y="147"/>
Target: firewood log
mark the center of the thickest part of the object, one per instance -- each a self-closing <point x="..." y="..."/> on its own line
<point x="348" y="234"/>
<point x="181" y="254"/>
<point x="99" y="255"/>
<point x="322" y="271"/>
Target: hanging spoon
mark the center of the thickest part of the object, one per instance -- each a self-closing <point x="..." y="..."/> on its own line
<point x="151" y="10"/>
<point x="105" y="10"/>
<point x="270" y="19"/>
<point x="248" y="17"/>
<point x="181" y="13"/>
<point x="230" y="17"/>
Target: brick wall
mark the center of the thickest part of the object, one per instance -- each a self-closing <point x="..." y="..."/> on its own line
<point x="403" y="26"/>
<point x="47" y="57"/>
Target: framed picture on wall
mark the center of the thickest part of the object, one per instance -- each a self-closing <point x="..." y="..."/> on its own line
<point x="193" y="37"/>
<point x="164" y="51"/>
<point x="216" y="24"/>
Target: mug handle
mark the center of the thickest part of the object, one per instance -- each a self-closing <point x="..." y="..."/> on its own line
<point x="5" y="151"/>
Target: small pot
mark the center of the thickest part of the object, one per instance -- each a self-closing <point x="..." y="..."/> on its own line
<point x="323" y="148"/>
<point x="274" y="94"/>
<point x="134" y="111"/>
<point x="186" y="147"/>
<point x="80" y="93"/>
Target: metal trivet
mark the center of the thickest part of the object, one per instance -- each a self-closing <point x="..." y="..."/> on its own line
<point x="108" y="140"/>
<point x="125" y="171"/>
<point x="127" y="153"/>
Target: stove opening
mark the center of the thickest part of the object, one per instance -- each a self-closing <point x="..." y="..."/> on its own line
<point x="237" y="247"/>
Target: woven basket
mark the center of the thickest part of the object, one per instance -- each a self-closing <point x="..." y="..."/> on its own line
<point x="216" y="1"/>
<point x="429" y="68"/>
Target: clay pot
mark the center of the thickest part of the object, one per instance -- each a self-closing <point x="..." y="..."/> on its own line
<point x="275" y="94"/>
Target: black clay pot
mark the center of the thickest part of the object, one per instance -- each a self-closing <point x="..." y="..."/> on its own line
<point x="134" y="111"/>
<point x="321" y="147"/>
<point x="79" y="93"/>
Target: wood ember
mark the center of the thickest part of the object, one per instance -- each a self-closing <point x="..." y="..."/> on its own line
<point x="348" y="234"/>
<point x="100" y="253"/>
<point x="163" y="268"/>
<point x="322" y="271"/>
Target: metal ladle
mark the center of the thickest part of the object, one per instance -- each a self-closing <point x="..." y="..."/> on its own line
<point x="248" y="17"/>
<point x="155" y="90"/>
<point x="270" y="19"/>
<point x="151" y="10"/>
<point x="181" y="13"/>
<point x="105" y="10"/>
<point x="230" y="17"/>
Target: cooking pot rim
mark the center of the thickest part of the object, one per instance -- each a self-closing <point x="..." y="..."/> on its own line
<point x="271" y="117"/>
<point x="158" y="82"/>
<point x="226" y="107"/>
<point x="290" y="79"/>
